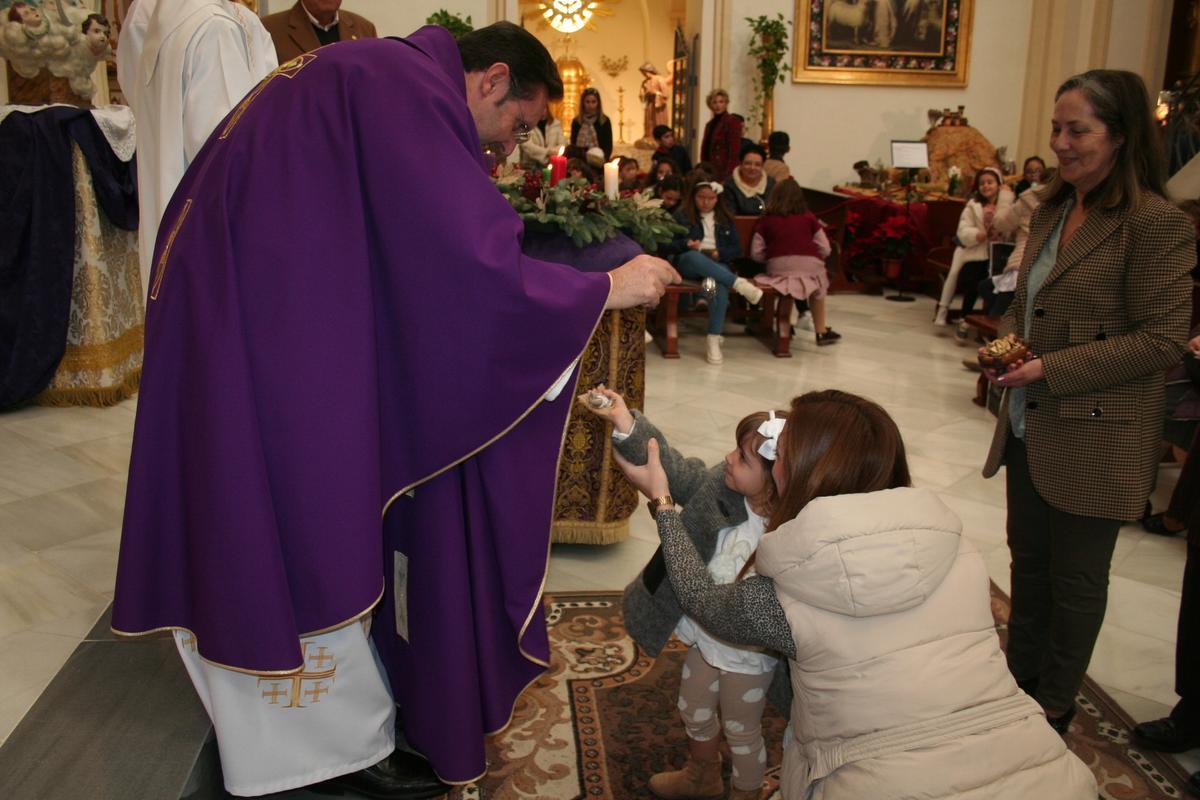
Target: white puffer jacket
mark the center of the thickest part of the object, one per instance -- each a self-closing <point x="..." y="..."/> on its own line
<point x="901" y="690"/>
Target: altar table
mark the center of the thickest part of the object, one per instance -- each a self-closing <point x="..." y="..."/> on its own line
<point x="73" y="316"/>
<point x="593" y="501"/>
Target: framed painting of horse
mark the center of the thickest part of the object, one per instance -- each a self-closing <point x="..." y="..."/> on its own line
<point x="883" y="42"/>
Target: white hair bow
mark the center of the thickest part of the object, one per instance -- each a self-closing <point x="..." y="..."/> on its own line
<point x="716" y="187"/>
<point x="770" y="431"/>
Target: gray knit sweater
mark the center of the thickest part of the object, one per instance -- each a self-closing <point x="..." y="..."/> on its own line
<point x="745" y="612"/>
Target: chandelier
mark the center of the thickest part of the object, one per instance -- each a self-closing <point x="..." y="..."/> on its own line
<point x="568" y="16"/>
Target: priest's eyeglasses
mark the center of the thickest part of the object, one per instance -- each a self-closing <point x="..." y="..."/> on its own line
<point x="521" y="132"/>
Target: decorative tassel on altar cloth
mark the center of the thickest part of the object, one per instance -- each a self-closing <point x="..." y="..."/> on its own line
<point x="589" y="531"/>
<point x="101" y="397"/>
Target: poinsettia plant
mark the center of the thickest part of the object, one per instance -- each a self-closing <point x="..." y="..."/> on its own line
<point x="581" y="211"/>
<point x="891" y="239"/>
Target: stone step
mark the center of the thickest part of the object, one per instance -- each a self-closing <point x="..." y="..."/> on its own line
<point x="120" y="721"/>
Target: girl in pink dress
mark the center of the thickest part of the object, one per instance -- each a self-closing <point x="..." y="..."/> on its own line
<point x="793" y="243"/>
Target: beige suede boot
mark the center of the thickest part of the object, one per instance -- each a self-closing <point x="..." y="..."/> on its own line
<point x="697" y="780"/>
<point x="748" y="290"/>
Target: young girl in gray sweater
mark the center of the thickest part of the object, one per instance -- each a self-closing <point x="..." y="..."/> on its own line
<point x="723" y="687"/>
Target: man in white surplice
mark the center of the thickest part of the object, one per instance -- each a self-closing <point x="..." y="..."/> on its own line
<point x="183" y="65"/>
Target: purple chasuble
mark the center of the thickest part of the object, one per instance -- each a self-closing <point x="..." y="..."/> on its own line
<point x="340" y="313"/>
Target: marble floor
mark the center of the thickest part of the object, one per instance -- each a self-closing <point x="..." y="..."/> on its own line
<point x="62" y="484"/>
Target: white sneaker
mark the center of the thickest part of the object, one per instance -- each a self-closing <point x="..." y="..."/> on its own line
<point x="805" y="323"/>
<point x="942" y="313"/>
<point x="714" y="349"/>
<point x="748" y="290"/>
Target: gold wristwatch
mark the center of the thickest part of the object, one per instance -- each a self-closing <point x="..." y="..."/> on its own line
<point x="659" y="503"/>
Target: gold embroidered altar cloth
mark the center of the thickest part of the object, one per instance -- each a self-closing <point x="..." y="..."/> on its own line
<point x="102" y="364"/>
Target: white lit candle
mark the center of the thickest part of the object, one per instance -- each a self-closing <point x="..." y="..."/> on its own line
<point x="610" y="179"/>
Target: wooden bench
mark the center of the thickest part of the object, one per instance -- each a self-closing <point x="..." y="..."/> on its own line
<point x="988" y="327"/>
<point x="771" y="326"/>
<point x="774" y="324"/>
<point x="942" y="221"/>
<point x="666" y="317"/>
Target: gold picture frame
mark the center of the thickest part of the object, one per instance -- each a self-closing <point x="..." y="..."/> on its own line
<point x="884" y="43"/>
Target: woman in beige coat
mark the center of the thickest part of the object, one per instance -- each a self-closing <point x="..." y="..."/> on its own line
<point x="883" y="610"/>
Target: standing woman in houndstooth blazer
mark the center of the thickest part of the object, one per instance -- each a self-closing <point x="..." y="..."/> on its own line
<point x="1103" y="301"/>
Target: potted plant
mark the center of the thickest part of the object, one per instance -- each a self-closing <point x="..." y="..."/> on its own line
<point x="455" y="23"/>
<point x="885" y="244"/>
<point x="955" y="180"/>
<point x="769" y="48"/>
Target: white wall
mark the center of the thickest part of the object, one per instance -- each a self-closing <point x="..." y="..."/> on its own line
<point x="834" y="126"/>
<point x="399" y="17"/>
<point x="1138" y="40"/>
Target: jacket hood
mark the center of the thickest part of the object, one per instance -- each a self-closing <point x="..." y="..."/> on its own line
<point x="863" y="554"/>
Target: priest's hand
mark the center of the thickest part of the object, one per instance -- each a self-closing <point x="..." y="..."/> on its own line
<point x="650" y="479"/>
<point x="640" y="282"/>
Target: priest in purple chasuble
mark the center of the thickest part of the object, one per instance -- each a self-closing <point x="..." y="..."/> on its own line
<point x="354" y="395"/>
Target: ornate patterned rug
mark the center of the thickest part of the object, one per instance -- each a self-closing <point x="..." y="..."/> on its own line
<point x="602" y="720"/>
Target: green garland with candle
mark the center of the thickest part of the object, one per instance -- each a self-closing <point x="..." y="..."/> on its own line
<point x="578" y="209"/>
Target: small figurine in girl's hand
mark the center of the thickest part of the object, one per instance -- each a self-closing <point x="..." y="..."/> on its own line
<point x="597" y="399"/>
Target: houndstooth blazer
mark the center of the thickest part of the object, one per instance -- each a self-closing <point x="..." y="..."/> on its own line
<point x="1111" y="316"/>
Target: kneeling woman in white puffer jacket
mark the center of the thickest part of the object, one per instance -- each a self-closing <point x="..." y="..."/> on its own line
<point x="867" y="586"/>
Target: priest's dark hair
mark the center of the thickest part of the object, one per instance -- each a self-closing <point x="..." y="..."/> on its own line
<point x="529" y="62"/>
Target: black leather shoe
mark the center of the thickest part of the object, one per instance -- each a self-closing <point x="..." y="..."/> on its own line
<point x="1165" y="736"/>
<point x="1193" y="784"/>
<point x="1157" y="523"/>
<point x="1062" y="724"/>
<point x="400" y="776"/>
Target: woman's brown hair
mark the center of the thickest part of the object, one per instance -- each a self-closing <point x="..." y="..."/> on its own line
<point x="1119" y="99"/>
<point x="787" y="198"/>
<point x="836" y="443"/>
<point x="594" y="92"/>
